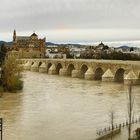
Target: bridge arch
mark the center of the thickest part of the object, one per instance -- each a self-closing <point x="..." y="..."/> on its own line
<point x="39" y="64"/>
<point x="83" y="70"/>
<point x="139" y="77"/>
<point x="98" y="73"/>
<point x="32" y="63"/>
<point x="70" y="69"/>
<point x="119" y="75"/>
<point x="48" y="66"/>
<point x="58" y="67"/>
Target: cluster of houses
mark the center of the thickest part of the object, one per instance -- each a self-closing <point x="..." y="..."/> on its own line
<point x="76" y="51"/>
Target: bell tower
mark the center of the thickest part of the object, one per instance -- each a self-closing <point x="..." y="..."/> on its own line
<point x="14" y="35"/>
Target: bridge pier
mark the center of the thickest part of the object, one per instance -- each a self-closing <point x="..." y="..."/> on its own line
<point x="108" y="76"/>
<point x="131" y="78"/>
<point x="52" y="70"/>
<point x="27" y="66"/>
<point x="132" y="81"/>
<point x="75" y="74"/>
<point x="43" y="68"/>
<point x="34" y="67"/>
<point x="89" y="75"/>
<point x="63" y="72"/>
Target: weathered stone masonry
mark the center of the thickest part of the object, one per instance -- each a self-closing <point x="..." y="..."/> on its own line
<point x="105" y="70"/>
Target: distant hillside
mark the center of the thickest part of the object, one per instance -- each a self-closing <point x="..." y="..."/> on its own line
<point x="50" y="43"/>
<point x="124" y="47"/>
<point x="127" y="48"/>
<point x="47" y="43"/>
<point x="67" y="44"/>
<point x="6" y="43"/>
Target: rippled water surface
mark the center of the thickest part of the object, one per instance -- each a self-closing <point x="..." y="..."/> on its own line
<point x="62" y="108"/>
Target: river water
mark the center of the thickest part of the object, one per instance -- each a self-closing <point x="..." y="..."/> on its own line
<point x="62" y="108"/>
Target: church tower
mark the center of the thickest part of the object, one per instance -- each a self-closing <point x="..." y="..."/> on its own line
<point x="14" y="36"/>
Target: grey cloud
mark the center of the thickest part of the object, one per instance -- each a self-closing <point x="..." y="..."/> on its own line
<point x="77" y="14"/>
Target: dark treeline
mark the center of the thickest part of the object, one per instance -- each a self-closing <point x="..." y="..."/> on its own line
<point x="10" y="74"/>
<point x="111" y="56"/>
<point x="3" y="51"/>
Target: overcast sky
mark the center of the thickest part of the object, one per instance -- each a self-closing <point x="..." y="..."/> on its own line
<point x="71" y="20"/>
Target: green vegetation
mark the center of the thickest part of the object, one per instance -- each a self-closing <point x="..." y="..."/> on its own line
<point x="119" y="56"/>
<point x="69" y="55"/>
<point x="1" y="91"/>
<point x="3" y="51"/>
<point x="137" y="131"/>
<point x="111" y="55"/>
<point x="11" y="75"/>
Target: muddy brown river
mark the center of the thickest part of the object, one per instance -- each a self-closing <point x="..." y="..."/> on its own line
<point x="62" y="108"/>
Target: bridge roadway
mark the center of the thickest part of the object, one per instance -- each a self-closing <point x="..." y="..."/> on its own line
<point x="105" y="70"/>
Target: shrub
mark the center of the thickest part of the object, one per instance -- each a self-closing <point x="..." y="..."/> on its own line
<point x="11" y="75"/>
<point x="19" y="85"/>
<point x="1" y="89"/>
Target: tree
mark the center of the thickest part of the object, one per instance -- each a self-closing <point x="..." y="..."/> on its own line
<point x="137" y="131"/>
<point x="105" y="47"/>
<point x="131" y="49"/>
<point x="130" y="109"/>
<point x="11" y="74"/>
<point x="112" y="115"/>
<point x="3" y="51"/>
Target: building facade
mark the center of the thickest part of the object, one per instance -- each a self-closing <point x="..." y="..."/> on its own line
<point x="29" y="46"/>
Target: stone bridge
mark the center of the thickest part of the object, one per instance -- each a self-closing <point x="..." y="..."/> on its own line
<point x="105" y="70"/>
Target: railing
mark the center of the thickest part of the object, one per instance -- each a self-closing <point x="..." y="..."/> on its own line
<point x="108" y="129"/>
<point x="1" y="127"/>
<point x="109" y="134"/>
